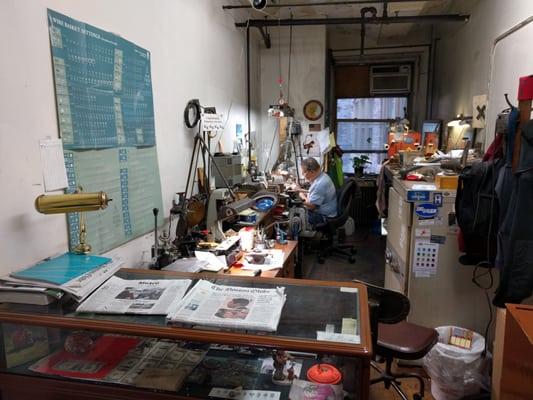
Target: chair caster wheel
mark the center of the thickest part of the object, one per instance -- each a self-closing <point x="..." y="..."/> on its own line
<point x="417" y="396"/>
<point x="351" y="260"/>
<point x="321" y="260"/>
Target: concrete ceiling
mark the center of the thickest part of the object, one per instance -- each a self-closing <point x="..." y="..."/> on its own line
<point x="375" y="34"/>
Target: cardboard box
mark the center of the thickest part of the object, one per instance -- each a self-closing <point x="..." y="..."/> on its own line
<point x="446" y="181"/>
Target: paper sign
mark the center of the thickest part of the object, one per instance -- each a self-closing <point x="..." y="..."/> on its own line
<point x="426" y="256"/>
<point x="346" y="289"/>
<point x="479" y="105"/>
<point x="53" y="164"/>
<point x="423" y="186"/>
<point x="349" y="326"/>
<point x="239" y="394"/>
<point x="337" y="337"/>
<point x="438" y="239"/>
<point x="422" y="232"/>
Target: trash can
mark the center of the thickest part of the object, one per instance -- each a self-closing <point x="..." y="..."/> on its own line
<point x="455" y="372"/>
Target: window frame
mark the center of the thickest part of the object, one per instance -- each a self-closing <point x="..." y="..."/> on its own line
<point x="363" y="120"/>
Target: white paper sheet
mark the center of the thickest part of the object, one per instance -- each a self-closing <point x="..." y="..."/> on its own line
<point x="274" y="260"/>
<point x="239" y="394"/>
<point x="337" y="337"/>
<point x="214" y="263"/>
<point x="53" y="164"/>
<point x="323" y="140"/>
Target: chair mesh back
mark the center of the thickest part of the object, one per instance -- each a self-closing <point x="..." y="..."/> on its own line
<point x="345" y="198"/>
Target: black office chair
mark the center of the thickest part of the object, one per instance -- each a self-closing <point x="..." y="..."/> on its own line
<point x="345" y="197"/>
<point x="393" y="337"/>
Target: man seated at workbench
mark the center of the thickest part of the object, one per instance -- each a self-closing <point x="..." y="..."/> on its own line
<point x="321" y="200"/>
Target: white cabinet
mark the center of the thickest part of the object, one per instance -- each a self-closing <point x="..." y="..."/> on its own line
<point x="422" y="259"/>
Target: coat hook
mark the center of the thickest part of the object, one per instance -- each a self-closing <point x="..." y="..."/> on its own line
<point x="507" y="101"/>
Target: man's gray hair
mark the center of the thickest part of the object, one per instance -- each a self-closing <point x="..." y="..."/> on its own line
<point x="310" y="164"/>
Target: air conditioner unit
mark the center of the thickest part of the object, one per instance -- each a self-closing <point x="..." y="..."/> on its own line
<point x="390" y="79"/>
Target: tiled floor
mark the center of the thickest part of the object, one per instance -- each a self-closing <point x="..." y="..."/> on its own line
<point x="369" y="267"/>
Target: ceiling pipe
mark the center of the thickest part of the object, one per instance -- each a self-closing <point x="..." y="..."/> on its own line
<point x="356" y="21"/>
<point x="402" y="46"/>
<point x="333" y="3"/>
<point x="373" y="13"/>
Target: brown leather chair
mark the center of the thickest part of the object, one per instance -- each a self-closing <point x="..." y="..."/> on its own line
<point x="395" y="338"/>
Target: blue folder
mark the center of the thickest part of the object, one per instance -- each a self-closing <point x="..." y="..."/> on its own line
<point x="62" y="269"/>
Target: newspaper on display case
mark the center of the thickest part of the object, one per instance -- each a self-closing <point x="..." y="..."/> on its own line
<point x="235" y="307"/>
<point x="146" y="296"/>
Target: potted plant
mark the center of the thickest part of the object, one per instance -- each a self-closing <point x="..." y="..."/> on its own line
<point x="359" y="163"/>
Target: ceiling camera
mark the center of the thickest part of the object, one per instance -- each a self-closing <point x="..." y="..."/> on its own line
<point x="258" y="4"/>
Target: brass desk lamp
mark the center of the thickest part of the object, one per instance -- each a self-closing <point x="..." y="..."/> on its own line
<point x="74" y="202"/>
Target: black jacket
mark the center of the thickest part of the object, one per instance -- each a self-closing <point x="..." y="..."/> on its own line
<point x="515" y="247"/>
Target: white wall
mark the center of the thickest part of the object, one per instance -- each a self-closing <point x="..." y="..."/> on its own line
<point x="469" y="64"/>
<point x="196" y="52"/>
<point x="307" y="81"/>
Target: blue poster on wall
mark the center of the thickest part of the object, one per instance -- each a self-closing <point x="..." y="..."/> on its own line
<point x="103" y="87"/>
<point x="106" y="122"/>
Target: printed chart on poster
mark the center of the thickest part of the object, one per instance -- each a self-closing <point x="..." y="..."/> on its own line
<point x="425" y="259"/>
<point x="106" y="121"/>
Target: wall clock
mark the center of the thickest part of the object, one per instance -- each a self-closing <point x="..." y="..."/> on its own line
<point x="313" y="110"/>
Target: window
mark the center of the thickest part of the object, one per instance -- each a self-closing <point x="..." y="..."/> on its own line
<point x="363" y="126"/>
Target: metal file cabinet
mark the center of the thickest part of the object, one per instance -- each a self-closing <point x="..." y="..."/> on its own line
<point x="422" y="258"/>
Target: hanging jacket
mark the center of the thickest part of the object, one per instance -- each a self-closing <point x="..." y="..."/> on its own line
<point x="516" y="231"/>
<point x="477" y="208"/>
<point x="504" y="185"/>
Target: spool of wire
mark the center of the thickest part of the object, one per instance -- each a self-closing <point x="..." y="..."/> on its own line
<point x="192" y="113"/>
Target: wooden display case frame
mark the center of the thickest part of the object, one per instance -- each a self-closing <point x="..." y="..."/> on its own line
<point x="20" y="386"/>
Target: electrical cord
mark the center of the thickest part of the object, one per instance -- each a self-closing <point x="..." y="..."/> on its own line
<point x="274" y="136"/>
<point x="289" y="73"/>
<point x="280" y="80"/>
<point x="475" y="280"/>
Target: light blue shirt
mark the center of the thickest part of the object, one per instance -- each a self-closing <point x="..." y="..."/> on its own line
<point x="322" y="194"/>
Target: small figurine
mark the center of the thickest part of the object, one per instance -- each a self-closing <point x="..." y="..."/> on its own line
<point x="282" y="376"/>
<point x="280" y="360"/>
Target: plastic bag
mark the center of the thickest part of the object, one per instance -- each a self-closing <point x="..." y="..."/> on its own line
<point x="456" y="372"/>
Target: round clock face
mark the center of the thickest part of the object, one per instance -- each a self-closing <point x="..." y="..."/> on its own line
<point x="313" y="110"/>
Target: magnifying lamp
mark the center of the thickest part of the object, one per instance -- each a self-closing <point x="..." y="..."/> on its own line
<point x="73" y="202"/>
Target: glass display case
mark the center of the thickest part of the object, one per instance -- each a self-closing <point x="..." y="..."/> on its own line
<point x="53" y="352"/>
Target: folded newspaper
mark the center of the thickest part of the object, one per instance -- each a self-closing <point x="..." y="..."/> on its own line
<point x="80" y="287"/>
<point x="146" y="296"/>
<point x="234" y="307"/>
